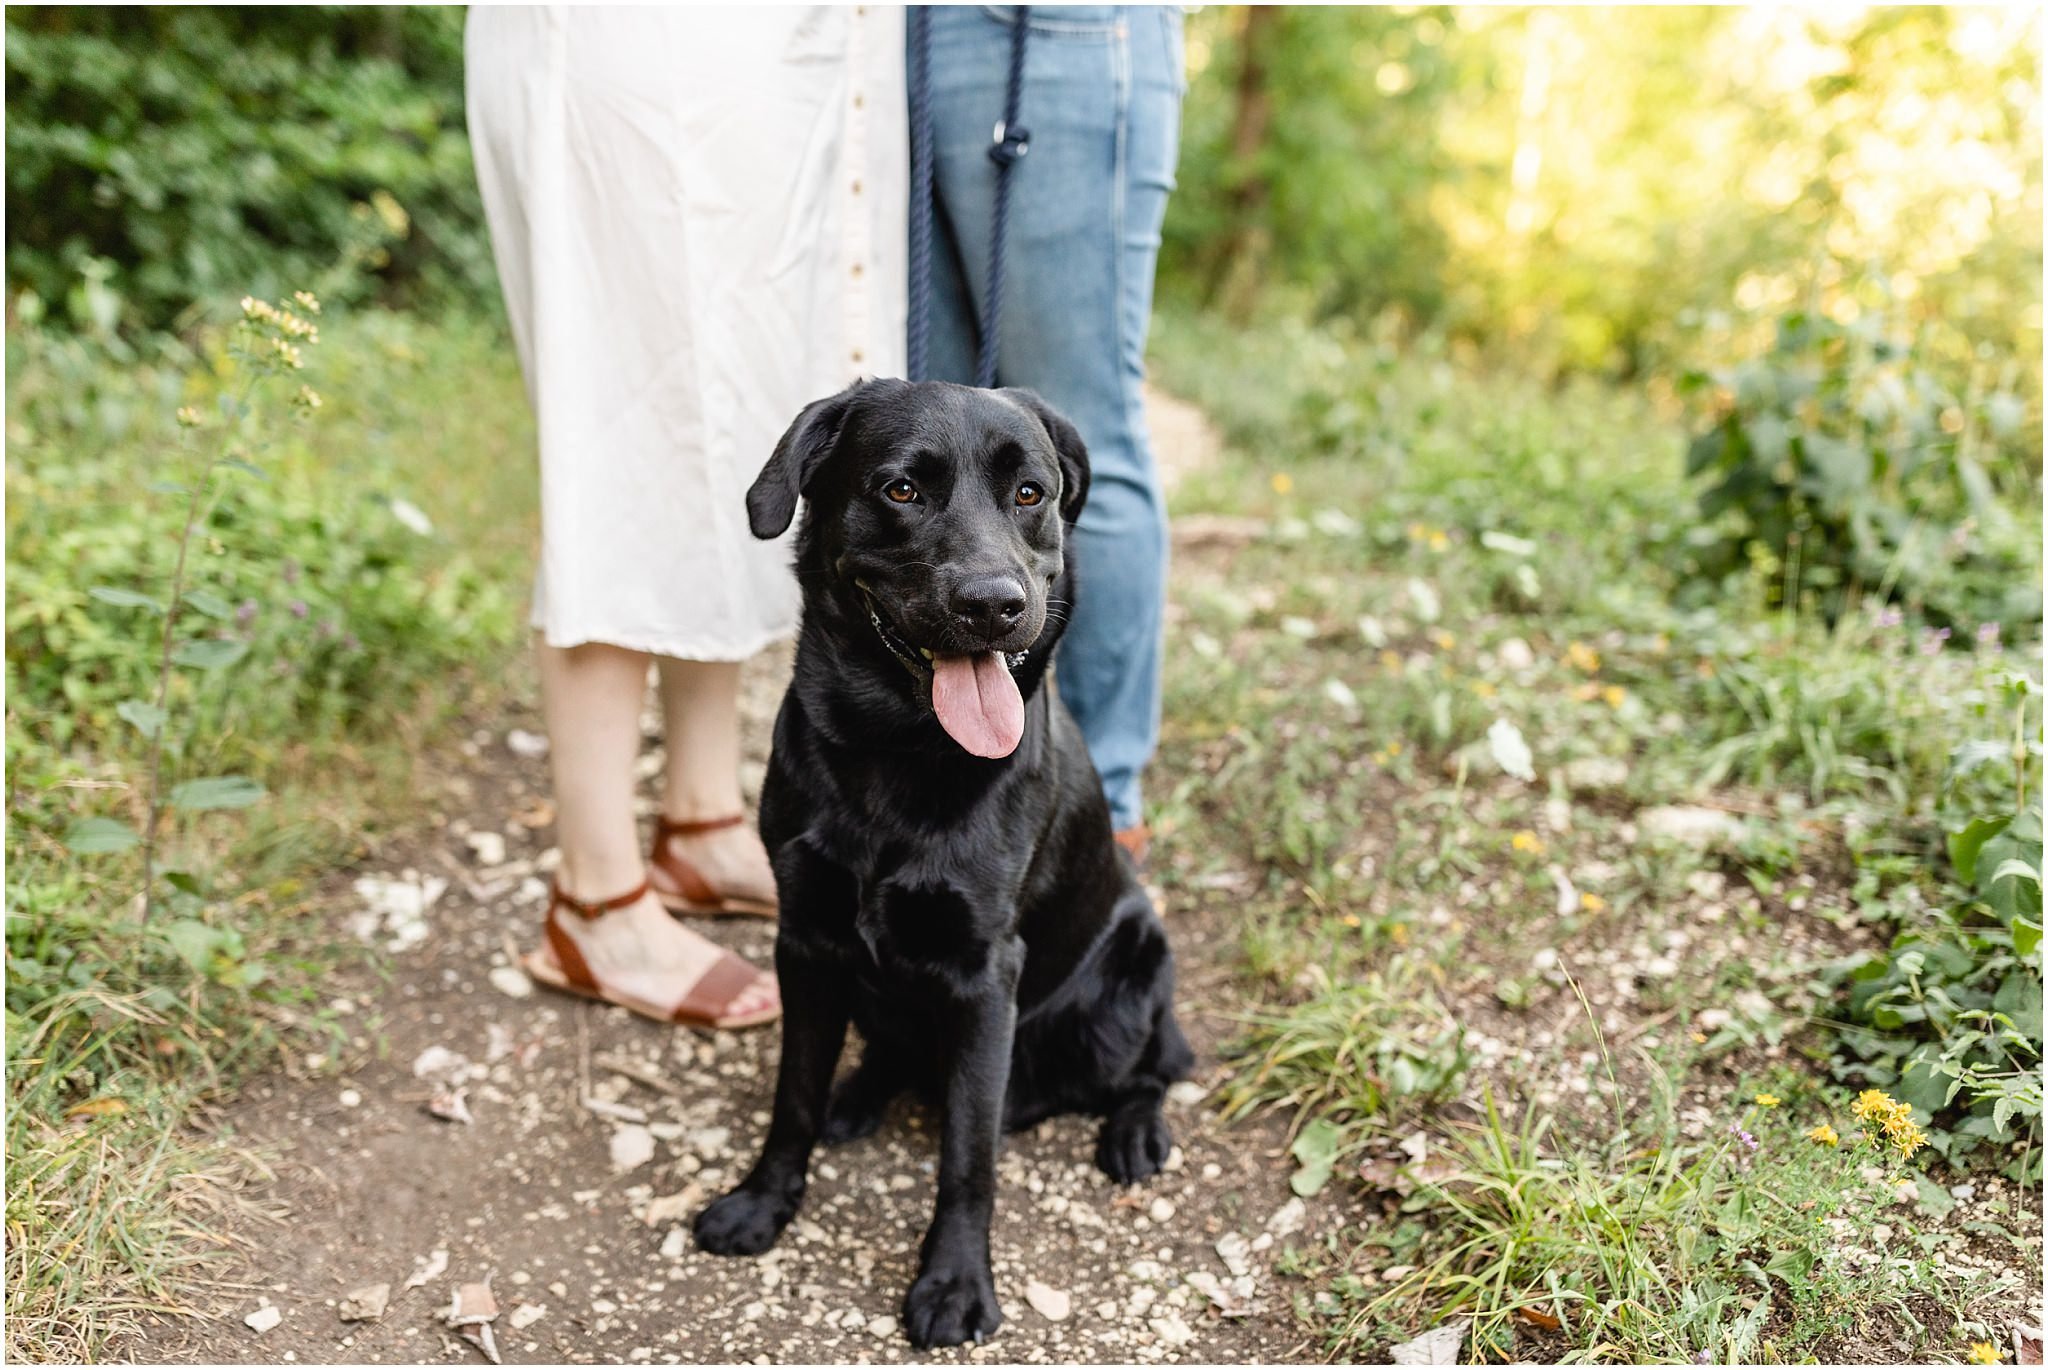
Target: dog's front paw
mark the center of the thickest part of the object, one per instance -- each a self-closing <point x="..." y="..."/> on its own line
<point x="743" y="1223"/>
<point x="1133" y="1146"/>
<point x="949" y="1306"/>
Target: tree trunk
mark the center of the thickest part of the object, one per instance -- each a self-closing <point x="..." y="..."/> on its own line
<point x="1240" y="267"/>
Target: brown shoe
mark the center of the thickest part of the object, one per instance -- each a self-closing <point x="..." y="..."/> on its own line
<point x="708" y="1003"/>
<point x="1136" y="840"/>
<point x="681" y="886"/>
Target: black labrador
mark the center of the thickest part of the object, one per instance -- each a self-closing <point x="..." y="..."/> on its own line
<point x="942" y="848"/>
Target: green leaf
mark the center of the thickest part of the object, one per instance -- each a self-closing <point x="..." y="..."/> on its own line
<point x="91" y="835"/>
<point x="216" y="792"/>
<point x="194" y="942"/>
<point x="1964" y="846"/>
<point x="2026" y="936"/>
<point x="1316" y="1148"/>
<point x="146" y="717"/>
<point x="182" y="880"/>
<point x="237" y="464"/>
<point x="213" y="606"/>
<point x="168" y="487"/>
<point x="125" y="599"/>
<point x="1791" y="1266"/>
<point x="210" y="653"/>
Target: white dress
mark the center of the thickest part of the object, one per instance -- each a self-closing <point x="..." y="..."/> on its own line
<point x="699" y="223"/>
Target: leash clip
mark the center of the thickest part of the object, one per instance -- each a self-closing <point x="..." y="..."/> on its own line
<point x="1009" y="144"/>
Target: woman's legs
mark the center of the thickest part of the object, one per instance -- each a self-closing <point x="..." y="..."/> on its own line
<point x="700" y="705"/>
<point x="591" y="697"/>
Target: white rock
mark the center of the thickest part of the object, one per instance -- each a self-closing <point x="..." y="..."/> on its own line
<point x="264" y="1318"/>
<point x="488" y="847"/>
<point x="526" y="1315"/>
<point x="1161" y="1210"/>
<point x="1439" y="1347"/>
<point x="525" y="744"/>
<point x="1052" y="1304"/>
<point x="366" y="1304"/>
<point x="1595" y="773"/>
<point x="1172" y="1330"/>
<point x="1236" y="1252"/>
<point x="632" y="1147"/>
<point x="351" y="1098"/>
<point x="1689" y="823"/>
<point x="1186" y="1092"/>
<point x="1515" y="655"/>
<point x="884" y="1326"/>
<point x="672" y="1244"/>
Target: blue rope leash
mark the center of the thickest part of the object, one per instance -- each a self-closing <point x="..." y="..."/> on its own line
<point x="1011" y="141"/>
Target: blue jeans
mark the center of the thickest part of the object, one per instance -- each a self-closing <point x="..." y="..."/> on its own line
<point x="1102" y="92"/>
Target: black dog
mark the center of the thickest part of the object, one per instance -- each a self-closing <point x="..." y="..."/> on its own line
<point x="942" y="848"/>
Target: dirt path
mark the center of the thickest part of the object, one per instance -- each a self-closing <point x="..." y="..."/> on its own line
<point x="552" y="1194"/>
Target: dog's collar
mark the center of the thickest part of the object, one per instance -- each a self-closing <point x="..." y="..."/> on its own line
<point x="916" y="660"/>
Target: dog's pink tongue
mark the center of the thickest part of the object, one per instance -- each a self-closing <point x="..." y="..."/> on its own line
<point x="977" y="703"/>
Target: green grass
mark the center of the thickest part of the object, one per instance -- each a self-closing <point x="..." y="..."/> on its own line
<point x="366" y="639"/>
<point x="1420" y="553"/>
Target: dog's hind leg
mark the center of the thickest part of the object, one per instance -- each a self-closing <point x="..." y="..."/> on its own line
<point x="861" y="1100"/>
<point x="1134" y="1140"/>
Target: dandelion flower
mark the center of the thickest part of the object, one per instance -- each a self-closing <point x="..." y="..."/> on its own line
<point x="1282" y="482"/>
<point x="1825" y="1135"/>
<point x="1767" y="1101"/>
<point x="1592" y="903"/>
<point x="1526" y="841"/>
<point x="1982" y="1353"/>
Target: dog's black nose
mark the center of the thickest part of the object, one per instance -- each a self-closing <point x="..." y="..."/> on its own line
<point x="989" y="606"/>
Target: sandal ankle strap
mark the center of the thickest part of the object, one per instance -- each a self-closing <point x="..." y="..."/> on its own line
<point x="666" y="827"/>
<point x="589" y="910"/>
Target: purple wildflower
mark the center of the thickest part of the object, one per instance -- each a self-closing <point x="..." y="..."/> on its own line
<point x="298" y="607"/>
<point x="290" y="571"/>
<point x="1932" y="641"/>
<point x="245" y="613"/>
<point x="1737" y="1130"/>
<point x="1703" y="1358"/>
<point x="1987" y="635"/>
<point x="1890" y="617"/>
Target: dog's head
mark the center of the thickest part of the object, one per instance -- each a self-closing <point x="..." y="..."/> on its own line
<point x="941" y="511"/>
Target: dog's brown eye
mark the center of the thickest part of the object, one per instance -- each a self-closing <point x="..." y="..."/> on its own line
<point x="1029" y="494"/>
<point x="901" y="491"/>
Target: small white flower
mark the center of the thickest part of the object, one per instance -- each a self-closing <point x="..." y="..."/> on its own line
<point x="1338" y="693"/>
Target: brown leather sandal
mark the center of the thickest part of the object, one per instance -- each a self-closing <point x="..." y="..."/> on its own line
<point x="681" y="886"/>
<point x="708" y="1004"/>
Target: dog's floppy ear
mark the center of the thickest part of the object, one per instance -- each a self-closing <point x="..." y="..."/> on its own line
<point x="1066" y="445"/>
<point x="771" y="501"/>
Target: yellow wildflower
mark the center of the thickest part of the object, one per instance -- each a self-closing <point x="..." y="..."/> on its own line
<point x="1417" y="532"/>
<point x="1592" y="903"/>
<point x="1872" y="1103"/>
<point x="1982" y="1353"/>
<point x="1282" y="482"/>
<point x="1483" y="689"/>
<point x="1581" y="657"/>
<point x="1390" y="661"/>
<point x="1825" y="1135"/>
<point x="1767" y="1101"/>
<point x="1438" y="540"/>
<point x="1614" y="695"/>
<point x="188" y="417"/>
<point x="1526" y="841"/>
<point x="307" y="301"/>
<point x="1444" y="641"/>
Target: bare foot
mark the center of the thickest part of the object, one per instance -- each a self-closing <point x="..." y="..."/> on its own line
<point x="731" y="860"/>
<point x="640" y="953"/>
